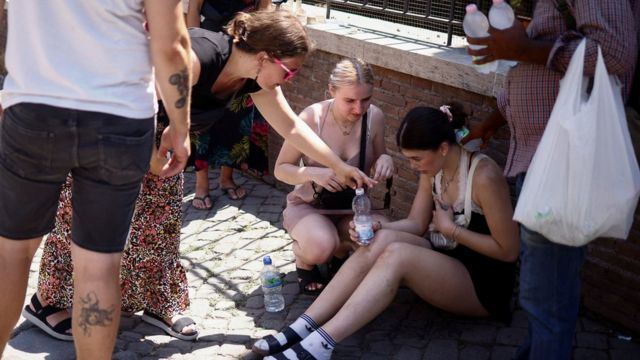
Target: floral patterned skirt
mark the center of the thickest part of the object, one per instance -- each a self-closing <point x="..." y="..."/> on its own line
<point x="151" y="276"/>
<point x="238" y="140"/>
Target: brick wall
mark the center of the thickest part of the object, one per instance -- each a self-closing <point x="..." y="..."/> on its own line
<point x="612" y="270"/>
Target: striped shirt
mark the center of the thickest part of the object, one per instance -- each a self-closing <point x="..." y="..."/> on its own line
<point x="530" y="89"/>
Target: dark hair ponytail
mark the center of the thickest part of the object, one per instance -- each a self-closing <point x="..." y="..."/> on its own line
<point x="425" y="128"/>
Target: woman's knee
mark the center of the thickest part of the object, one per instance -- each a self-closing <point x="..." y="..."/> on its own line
<point x="316" y="249"/>
<point x="394" y="253"/>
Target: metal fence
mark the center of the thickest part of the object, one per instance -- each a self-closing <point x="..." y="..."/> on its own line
<point x="443" y="16"/>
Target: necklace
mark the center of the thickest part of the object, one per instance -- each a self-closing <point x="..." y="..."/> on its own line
<point x="444" y="182"/>
<point x="344" y="130"/>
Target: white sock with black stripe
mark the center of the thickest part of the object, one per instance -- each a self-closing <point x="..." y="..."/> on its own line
<point x="303" y="326"/>
<point x="319" y="344"/>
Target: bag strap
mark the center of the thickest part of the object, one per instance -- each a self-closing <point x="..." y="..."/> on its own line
<point x="467" y="196"/>
<point x="363" y="142"/>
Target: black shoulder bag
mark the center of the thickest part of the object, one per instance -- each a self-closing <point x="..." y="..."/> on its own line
<point x="341" y="200"/>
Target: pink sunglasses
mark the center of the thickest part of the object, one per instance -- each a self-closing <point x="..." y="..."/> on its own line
<point x="290" y="74"/>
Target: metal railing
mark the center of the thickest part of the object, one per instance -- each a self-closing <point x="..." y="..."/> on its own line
<point x="443" y="16"/>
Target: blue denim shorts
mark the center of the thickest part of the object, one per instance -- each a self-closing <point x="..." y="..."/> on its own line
<point x="106" y="154"/>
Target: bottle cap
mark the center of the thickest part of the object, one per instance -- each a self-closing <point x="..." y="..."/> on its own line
<point x="266" y="260"/>
<point x="471" y="8"/>
<point x="359" y="191"/>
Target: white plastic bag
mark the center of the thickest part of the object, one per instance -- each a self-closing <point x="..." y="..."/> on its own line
<point x="583" y="181"/>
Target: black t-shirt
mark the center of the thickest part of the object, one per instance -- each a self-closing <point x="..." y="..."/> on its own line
<point x="212" y="50"/>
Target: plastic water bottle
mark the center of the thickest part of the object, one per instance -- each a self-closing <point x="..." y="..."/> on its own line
<point x="471" y="146"/>
<point x="501" y="16"/>
<point x="362" y="217"/>
<point x="271" y="286"/>
<point x="475" y="24"/>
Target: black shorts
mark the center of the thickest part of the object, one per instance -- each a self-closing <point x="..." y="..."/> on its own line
<point x="106" y="154"/>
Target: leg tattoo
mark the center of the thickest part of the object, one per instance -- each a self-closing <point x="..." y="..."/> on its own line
<point x="92" y="315"/>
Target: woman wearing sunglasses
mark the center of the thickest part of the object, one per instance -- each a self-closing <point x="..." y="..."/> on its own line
<point x="258" y="52"/>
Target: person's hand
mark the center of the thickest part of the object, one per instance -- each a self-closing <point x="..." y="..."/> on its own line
<point x="353" y="235"/>
<point x="157" y="162"/>
<point x="178" y="142"/>
<point x="482" y="132"/>
<point x="383" y="168"/>
<point x="504" y="44"/>
<point x="485" y="130"/>
<point x="327" y="178"/>
<point x="443" y="218"/>
<point x="353" y="177"/>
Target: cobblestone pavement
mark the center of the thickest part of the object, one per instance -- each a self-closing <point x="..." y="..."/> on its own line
<point x="222" y="250"/>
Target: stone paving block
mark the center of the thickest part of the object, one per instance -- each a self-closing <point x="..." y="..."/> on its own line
<point x="199" y="307"/>
<point x="125" y="355"/>
<point x="141" y="347"/>
<point x="617" y="343"/>
<point x="474" y="352"/>
<point x="374" y="356"/>
<point x="234" y="350"/>
<point x="589" y="354"/>
<point x="410" y="338"/>
<point x="382" y="346"/>
<point x="206" y="351"/>
<point x="441" y="350"/>
<point x="503" y="352"/>
<point x="271" y="244"/>
<point x="624" y="354"/>
<point x="511" y="336"/>
<point x="135" y="335"/>
<point x="408" y="353"/>
<point x="519" y="319"/>
<point x="167" y="352"/>
<point x="591" y="340"/>
<point x="226" y="301"/>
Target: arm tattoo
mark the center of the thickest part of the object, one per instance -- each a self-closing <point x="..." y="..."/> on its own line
<point x="181" y="81"/>
<point x="92" y="315"/>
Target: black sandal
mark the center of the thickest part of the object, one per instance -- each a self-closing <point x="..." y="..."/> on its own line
<point x="174" y="329"/>
<point x="274" y="345"/>
<point x="306" y="277"/>
<point x="38" y="317"/>
<point x="300" y="352"/>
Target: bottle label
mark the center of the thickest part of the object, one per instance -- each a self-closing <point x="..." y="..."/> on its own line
<point x="365" y="232"/>
<point x="271" y="282"/>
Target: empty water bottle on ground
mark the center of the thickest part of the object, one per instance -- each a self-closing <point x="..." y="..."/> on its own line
<point x="271" y="286"/>
<point x="476" y="25"/>
<point x="362" y="217"/>
<point x="501" y="16"/>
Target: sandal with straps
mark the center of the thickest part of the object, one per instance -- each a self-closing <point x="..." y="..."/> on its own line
<point x="274" y="345"/>
<point x="307" y="277"/>
<point x="300" y="352"/>
<point x="38" y="317"/>
<point x="174" y="329"/>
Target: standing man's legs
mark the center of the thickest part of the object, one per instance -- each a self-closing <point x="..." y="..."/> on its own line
<point x="113" y="157"/>
<point x="15" y="259"/>
<point x="549" y="293"/>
